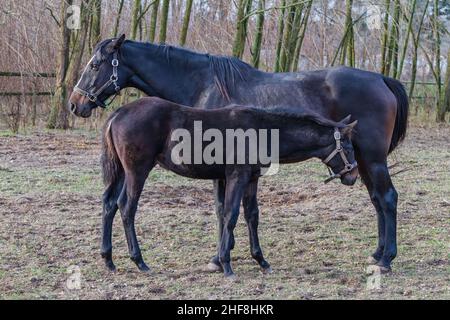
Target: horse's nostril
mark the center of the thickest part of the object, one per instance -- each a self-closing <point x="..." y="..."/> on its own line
<point x="72" y="107"/>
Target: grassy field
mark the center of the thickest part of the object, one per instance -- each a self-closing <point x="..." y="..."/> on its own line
<point x="316" y="237"/>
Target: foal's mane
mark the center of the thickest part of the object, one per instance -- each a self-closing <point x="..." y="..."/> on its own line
<point x="227" y="71"/>
<point x="283" y="114"/>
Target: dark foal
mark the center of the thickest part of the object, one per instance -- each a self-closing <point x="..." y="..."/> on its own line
<point x="140" y="135"/>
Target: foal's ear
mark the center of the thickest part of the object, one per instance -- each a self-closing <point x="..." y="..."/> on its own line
<point x="115" y="44"/>
<point x="349" y="128"/>
<point x="346" y="120"/>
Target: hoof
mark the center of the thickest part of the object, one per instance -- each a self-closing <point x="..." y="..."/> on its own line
<point x="231" y="277"/>
<point x="384" y="269"/>
<point x="212" y="267"/>
<point x="371" y="260"/>
<point x="110" y="266"/>
<point x="143" y="267"/>
<point x="267" y="270"/>
<point x="377" y="269"/>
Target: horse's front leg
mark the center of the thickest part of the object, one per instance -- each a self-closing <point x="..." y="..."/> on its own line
<point x="236" y="183"/>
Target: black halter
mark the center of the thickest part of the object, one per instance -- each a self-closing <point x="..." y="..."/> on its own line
<point x="338" y="150"/>
<point x="93" y="96"/>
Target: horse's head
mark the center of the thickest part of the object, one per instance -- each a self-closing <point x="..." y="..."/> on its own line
<point x="103" y="76"/>
<point x="340" y="156"/>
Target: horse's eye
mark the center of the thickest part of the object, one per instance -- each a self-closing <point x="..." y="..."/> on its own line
<point x="94" y="67"/>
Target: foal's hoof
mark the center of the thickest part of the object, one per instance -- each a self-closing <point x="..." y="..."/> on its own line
<point x="143" y="267"/>
<point x="384" y="269"/>
<point x="212" y="267"/>
<point x="371" y="260"/>
<point x="377" y="269"/>
<point x="110" y="266"/>
<point x="231" y="277"/>
<point x="267" y="270"/>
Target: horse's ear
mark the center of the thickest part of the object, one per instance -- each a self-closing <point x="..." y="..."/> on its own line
<point x="349" y="127"/>
<point x="346" y="120"/>
<point x="115" y="44"/>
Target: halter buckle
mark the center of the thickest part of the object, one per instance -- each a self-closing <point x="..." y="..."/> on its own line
<point x="92" y="97"/>
<point x="115" y="62"/>
<point x="337" y="135"/>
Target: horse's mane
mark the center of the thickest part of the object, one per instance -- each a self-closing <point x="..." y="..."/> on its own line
<point x="227" y="71"/>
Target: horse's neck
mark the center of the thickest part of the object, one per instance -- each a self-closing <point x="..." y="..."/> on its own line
<point x="167" y="72"/>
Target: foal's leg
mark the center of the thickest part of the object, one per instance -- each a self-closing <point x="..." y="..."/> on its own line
<point x="219" y="197"/>
<point x="233" y="195"/>
<point x="110" y="207"/>
<point x="251" y="214"/>
<point x="128" y="201"/>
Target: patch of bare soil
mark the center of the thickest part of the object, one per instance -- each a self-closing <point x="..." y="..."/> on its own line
<point x="317" y="237"/>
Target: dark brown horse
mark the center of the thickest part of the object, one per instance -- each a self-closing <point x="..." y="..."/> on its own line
<point x="145" y="132"/>
<point x="379" y="104"/>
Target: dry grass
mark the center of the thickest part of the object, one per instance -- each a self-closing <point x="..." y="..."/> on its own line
<point x="316" y="236"/>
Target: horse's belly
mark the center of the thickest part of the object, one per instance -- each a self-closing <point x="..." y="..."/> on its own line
<point x="195" y="171"/>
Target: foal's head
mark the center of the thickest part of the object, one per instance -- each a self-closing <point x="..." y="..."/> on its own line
<point x="103" y="76"/>
<point x="339" y="155"/>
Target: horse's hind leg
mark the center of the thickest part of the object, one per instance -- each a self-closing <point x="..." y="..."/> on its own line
<point x="385" y="199"/>
<point x="383" y="195"/>
<point x="251" y="214"/>
<point x="110" y="197"/>
<point x="128" y="202"/>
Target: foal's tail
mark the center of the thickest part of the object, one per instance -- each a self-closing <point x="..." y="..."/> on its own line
<point x="401" y="119"/>
<point x="111" y="166"/>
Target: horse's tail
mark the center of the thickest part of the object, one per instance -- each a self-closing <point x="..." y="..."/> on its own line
<point x="111" y="166"/>
<point x="401" y="119"/>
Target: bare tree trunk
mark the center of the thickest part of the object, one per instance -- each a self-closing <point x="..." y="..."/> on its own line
<point x="392" y="58"/>
<point x="280" y="33"/>
<point x="416" y="40"/>
<point x="446" y="97"/>
<point x="396" y="34"/>
<point x="384" y="44"/>
<point x="119" y="15"/>
<point x="135" y="19"/>
<point x="78" y="48"/>
<point x="244" y="7"/>
<point x="406" y="42"/>
<point x="59" y="114"/>
<point x="187" y="17"/>
<point x="347" y="49"/>
<point x="287" y="36"/>
<point x="440" y="115"/>
<point x="298" y="46"/>
<point x="256" y="47"/>
<point x="153" y="20"/>
<point x="96" y="18"/>
<point x="164" y="17"/>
